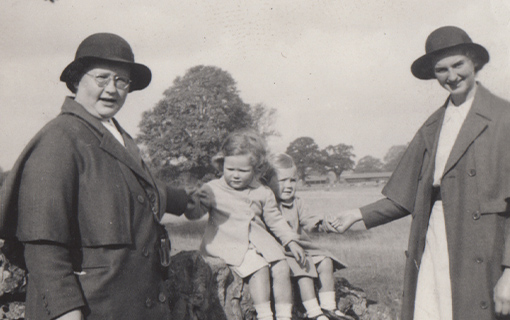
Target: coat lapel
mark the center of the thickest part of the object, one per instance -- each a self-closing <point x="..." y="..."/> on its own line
<point x="108" y="142"/>
<point x="476" y="121"/>
<point x="432" y="128"/>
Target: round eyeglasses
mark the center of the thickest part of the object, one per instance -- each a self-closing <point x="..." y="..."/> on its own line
<point x="102" y="80"/>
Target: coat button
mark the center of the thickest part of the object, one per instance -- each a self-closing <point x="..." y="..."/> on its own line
<point x="141" y="199"/>
<point x="145" y="252"/>
<point x="472" y="173"/>
<point x="476" y="215"/>
<point x="161" y="297"/>
<point x="484" y="305"/>
<point x="479" y="260"/>
<point x="148" y="303"/>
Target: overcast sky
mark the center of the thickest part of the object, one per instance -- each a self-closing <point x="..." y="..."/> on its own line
<point x="336" y="71"/>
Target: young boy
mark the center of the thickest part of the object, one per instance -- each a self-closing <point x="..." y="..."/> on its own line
<point x="282" y="179"/>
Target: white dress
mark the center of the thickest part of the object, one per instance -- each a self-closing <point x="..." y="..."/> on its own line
<point x="433" y="290"/>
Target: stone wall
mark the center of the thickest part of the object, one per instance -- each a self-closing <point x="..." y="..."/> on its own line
<point x="199" y="289"/>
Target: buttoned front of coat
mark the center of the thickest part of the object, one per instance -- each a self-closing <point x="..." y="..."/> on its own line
<point x="475" y="188"/>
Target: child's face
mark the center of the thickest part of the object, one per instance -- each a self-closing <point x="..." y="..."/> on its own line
<point x="238" y="171"/>
<point x="283" y="183"/>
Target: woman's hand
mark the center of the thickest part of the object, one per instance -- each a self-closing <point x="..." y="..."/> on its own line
<point x="298" y="252"/>
<point x="344" y="220"/>
<point x="502" y="294"/>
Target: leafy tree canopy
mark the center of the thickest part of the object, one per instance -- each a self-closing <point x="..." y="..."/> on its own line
<point x="393" y="156"/>
<point x="368" y="164"/>
<point x="308" y="157"/>
<point x="185" y="128"/>
<point x="339" y="158"/>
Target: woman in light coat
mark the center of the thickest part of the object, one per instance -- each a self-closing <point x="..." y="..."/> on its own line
<point x="454" y="179"/>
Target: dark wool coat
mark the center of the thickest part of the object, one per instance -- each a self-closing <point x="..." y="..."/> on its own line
<point x="475" y="189"/>
<point x="88" y="212"/>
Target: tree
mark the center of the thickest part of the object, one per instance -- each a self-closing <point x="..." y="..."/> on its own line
<point x="185" y="128"/>
<point x="368" y="164"/>
<point x="393" y="156"/>
<point x="306" y="155"/>
<point x="339" y="158"/>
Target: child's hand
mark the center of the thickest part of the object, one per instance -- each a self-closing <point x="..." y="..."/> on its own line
<point x="327" y="224"/>
<point x="344" y="220"/>
<point x="298" y="252"/>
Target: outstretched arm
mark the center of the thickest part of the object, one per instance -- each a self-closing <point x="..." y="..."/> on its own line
<point x="374" y="214"/>
<point x="343" y="221"/>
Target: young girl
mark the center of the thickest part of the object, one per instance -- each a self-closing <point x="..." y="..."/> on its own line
<point x="282" y="179"/>
<point x="238" y="206"/>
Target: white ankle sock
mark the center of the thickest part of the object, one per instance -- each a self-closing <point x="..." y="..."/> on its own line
<point x="283" y="311"/>
<point x="312" y="307"/>
<point x="264" y="311"/>
<point x="327" y="300"/>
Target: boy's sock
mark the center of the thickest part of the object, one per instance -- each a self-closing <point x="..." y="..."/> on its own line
<point x="312" y="308"/>
<point x="283" y="311"/>
<point x="264" y="311"/>
<point x="327" y="300"/>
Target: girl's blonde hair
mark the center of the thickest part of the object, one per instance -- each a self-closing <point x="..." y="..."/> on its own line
<point x="243" y="142"/>
<point x="277" y="161"/>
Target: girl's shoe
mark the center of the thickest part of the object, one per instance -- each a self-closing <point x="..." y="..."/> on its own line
<point x="336" y="315"/>
<point x="321" y="316"/>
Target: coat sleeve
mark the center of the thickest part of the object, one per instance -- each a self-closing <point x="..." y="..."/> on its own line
<point x="275" y="221"/>
<point x="381" y="212"/>
<point x="51" y="271"/>
<point x="308" y="220"/>
<point x="47" y="200"/>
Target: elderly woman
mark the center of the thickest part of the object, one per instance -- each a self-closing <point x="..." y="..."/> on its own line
<point x="454" y="179"/>
<point x="83" y="203"/>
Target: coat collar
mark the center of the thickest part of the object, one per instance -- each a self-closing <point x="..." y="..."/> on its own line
<point x="129" y="155"/>
<point x="432" y="127"/>
<point x="477" y="120"/>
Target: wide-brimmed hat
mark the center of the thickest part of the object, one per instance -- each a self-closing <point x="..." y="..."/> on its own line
<point x="101" y="47"/>
<point x="438" y="43"/>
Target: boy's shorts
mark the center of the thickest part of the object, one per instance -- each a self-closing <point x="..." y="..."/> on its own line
<point x="309" y="270"/>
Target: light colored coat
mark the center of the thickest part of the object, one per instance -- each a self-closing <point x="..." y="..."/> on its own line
<point x="88" y="211"/>
<point x="475" y="190"/>
<point x="238" y="217"/>
<point x="303" y="220"/>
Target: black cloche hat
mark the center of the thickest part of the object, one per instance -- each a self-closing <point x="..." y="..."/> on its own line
<point x="106" y="47"/>
<point x="438" y="43"/>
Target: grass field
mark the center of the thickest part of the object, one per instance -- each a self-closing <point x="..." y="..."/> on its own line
<point x="375" y="257"/>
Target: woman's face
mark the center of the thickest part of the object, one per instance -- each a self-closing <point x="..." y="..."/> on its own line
<point x="456" y="74"/>
<point x="102" y="102"/>
<point x="238" y="171"/>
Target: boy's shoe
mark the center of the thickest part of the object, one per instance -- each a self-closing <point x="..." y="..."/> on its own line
<point x="336" y="315"/>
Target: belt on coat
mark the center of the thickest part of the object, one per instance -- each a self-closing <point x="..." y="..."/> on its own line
<point x="436" y="194"/>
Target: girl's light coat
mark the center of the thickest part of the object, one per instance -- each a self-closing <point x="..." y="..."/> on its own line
<point x="238" y="217"/>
